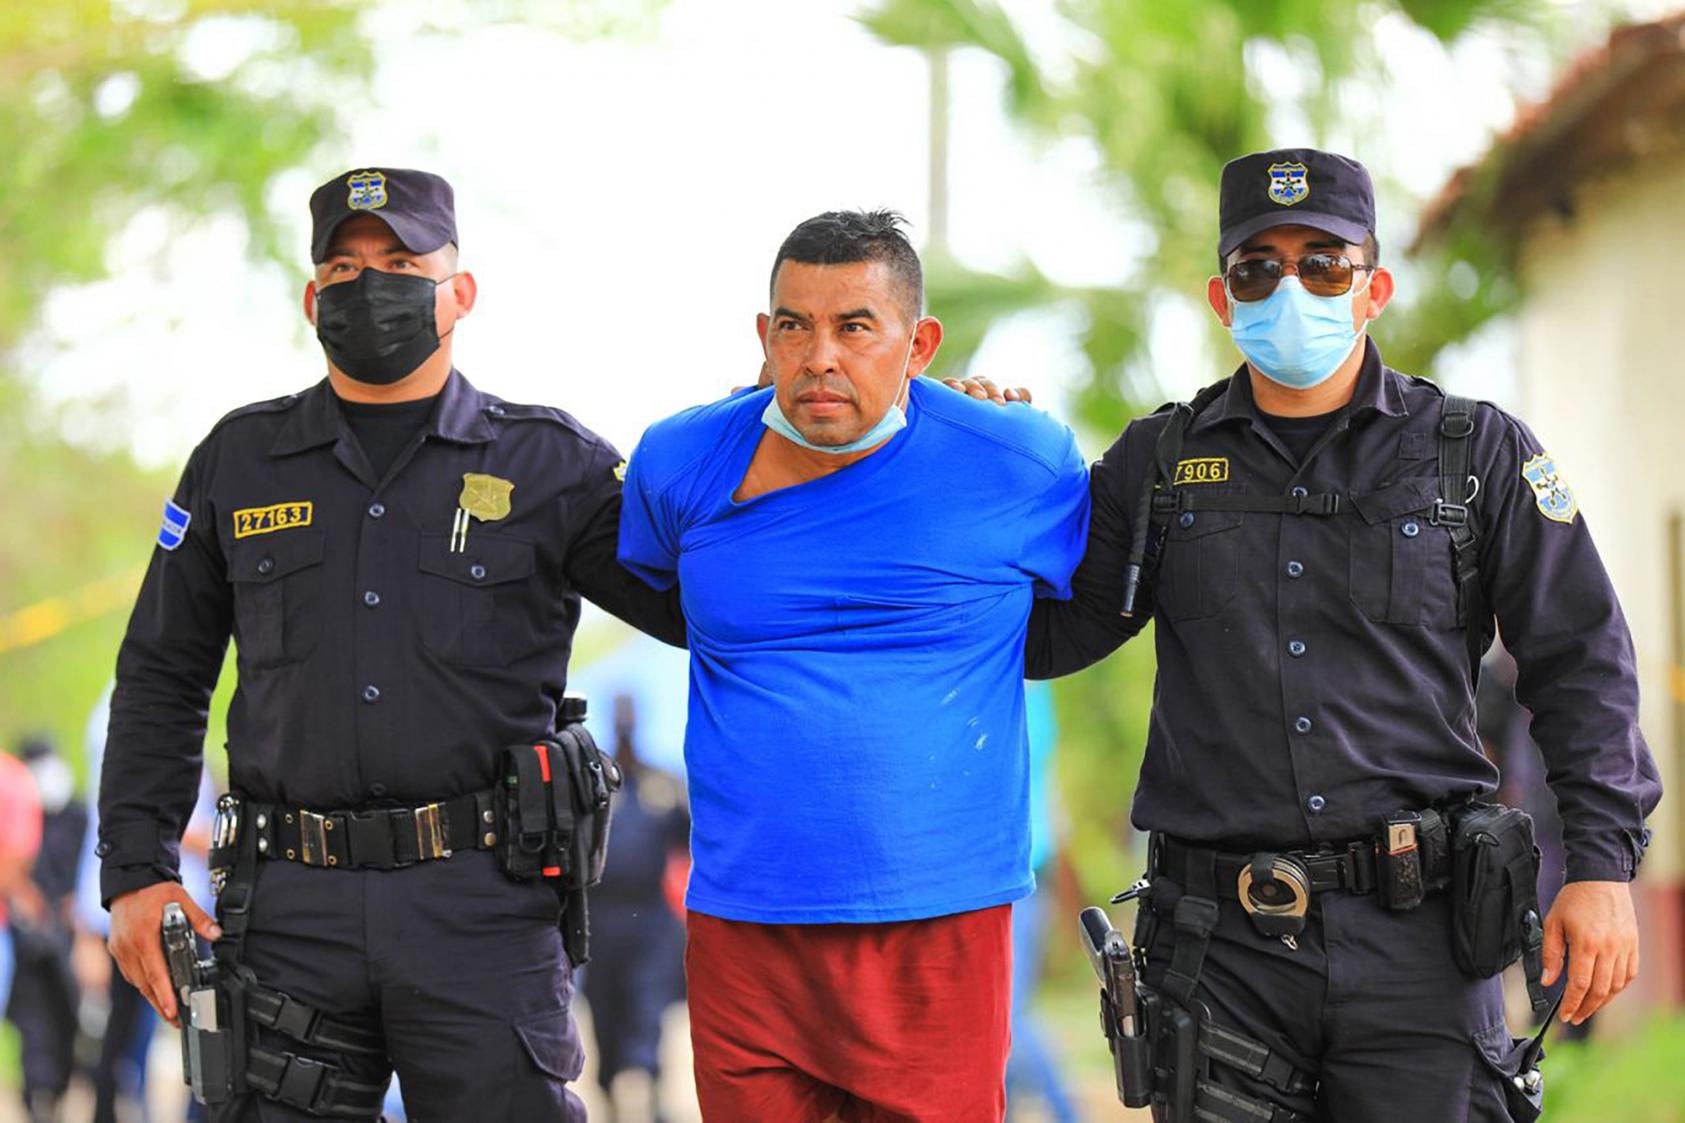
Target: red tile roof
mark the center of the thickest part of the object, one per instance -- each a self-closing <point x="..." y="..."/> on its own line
<point x="1615" y="105"/>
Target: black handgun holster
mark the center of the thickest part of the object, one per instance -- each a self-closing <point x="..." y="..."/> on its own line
<point x="554" y="810"/>
<point x="1179" y="1038"/>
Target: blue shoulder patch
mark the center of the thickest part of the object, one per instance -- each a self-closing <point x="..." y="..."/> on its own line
<point x="174" y="530"/>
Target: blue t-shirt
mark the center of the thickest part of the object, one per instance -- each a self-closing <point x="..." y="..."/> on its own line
<point x="856" y="747"/>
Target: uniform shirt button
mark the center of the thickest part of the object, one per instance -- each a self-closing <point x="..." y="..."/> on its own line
<point x="477" y="572"/>
<point x="1316" y="803"/>
<point x="376" y="510"/>
<point x="1187" y="519"/>
<point x="1296" y="648"/>
<point x="1299" y="493"/>
<point x="1303" y="725"/>
<point x="371" y="693"/>
<point x="495" y="411"/>
<point x="1410" y="530"/>
<point x="377" y="790"/>
<point x="103" y="850"/>
<point x="1295" y="569"/>
<point x="371" y="598"/>
<point x="266" y="566"/>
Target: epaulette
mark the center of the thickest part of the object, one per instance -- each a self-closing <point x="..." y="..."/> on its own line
<point x="518" y="411"/>
<point x="273" y="405"/>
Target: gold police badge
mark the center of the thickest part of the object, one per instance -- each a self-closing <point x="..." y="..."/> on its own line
<point x="483" y="497"/>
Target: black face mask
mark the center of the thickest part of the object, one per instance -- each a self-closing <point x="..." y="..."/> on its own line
<point x="380" y="327"/>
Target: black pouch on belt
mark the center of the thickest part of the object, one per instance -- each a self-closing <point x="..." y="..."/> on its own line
<point x="1495" y="894"/>
<point x="526" y="830"/>
<point x="592" y="778"/>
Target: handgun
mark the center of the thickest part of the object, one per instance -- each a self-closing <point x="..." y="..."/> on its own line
<point x="207" y="1050"/>
<point x="180" y="953"/>
<point x="1120" y="1012"/>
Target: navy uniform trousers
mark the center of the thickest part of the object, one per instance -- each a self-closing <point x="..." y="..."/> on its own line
<point x="460" y="967"/>
<point x="1371" y="1004"/>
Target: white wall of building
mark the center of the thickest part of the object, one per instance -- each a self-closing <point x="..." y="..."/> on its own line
<point x="1601" y="348"/>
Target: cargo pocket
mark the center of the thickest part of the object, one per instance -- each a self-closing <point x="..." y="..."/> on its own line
<point x="478" y="609"/>
<point x="1200" y="570"/>
<point x="550" y="1041"/>
<point x="1400" y="562"/>
<point x="277" y="582"/>
<point x="1509" y="1097"/>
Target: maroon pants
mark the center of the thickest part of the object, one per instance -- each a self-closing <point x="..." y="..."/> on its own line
<point x="905" y="1022"/>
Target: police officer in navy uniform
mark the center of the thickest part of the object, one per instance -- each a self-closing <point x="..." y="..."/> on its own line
<point x="1319" y="585"/>
<point x="399" y="558"/>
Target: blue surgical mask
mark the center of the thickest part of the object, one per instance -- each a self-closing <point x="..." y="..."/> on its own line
<point x="1294" y="337"/>
<point x="890" y="424"/>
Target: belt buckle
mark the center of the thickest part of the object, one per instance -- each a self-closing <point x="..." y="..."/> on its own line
<point x="312" y="838"/>
<point x="430" y="831"/>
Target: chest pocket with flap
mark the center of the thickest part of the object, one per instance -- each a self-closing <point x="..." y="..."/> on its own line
<point x="478" y="608"/>
<point x="1201" y="568"/>
<point x="278" y="606"/>
<point x="1400" y="562"/>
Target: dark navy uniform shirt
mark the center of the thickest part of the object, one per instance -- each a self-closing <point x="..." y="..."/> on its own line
<point x="377" y="663"/>
<point x="1312" y="677"/>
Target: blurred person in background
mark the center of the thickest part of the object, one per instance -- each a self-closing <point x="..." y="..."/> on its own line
<point x="111" y="1012"/>
<point x="20" y="842"/>
<point x="1032" y="1068"/>
<point x="44" y="996"/>
<point x="637" y="969"/>
<point x="1503" y="725"/>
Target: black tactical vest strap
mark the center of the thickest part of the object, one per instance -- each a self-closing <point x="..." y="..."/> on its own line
<point x="1452" y="510"/>
<point x="1148" y="525"/>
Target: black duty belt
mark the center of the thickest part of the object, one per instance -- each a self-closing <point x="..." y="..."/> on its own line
<point x="376" y="838"/>
<point x="1345" y="867"/>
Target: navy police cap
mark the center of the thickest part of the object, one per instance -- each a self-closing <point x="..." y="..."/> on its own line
<point x="420" y="207"/>
<point x="1300" y="186"/>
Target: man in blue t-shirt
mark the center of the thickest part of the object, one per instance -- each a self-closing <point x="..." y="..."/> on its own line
<point x="856" y="745"/>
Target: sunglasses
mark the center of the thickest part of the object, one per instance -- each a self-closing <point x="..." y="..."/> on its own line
<point x="1322" y="274"/>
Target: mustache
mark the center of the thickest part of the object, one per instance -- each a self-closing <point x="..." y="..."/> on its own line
<point x="808" y="384"/>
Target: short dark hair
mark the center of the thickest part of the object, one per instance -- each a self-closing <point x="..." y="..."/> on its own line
<point x="847" y="237"/>
<point x="1371" y="254"/>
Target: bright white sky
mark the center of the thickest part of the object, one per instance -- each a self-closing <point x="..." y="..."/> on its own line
<point x="620" y="202"/>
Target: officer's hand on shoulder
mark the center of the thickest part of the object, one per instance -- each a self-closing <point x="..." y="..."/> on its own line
<point x="137" y="927"/>
<point x="984" y="390"/>
<point x="1596" y="923"/>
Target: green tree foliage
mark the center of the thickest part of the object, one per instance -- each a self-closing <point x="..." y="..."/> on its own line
<point x="1166" y="94"/>
<point x="111" y="108"/>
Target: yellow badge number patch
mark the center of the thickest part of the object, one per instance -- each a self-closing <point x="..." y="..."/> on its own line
<point x="1202" y="470"/>
<point x="277" y="516"/>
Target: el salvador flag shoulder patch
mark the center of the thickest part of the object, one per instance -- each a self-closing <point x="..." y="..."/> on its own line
<point x="174" y="530"/>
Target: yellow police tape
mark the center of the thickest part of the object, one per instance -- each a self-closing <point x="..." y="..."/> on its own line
<point x="41" y="621"/>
